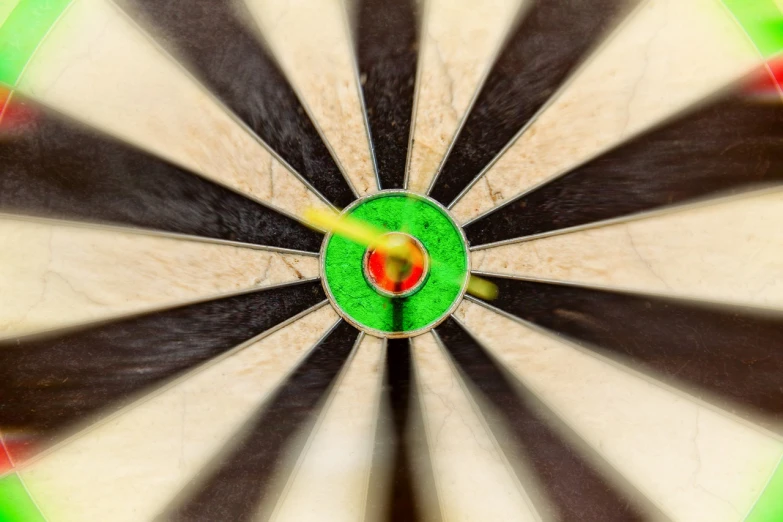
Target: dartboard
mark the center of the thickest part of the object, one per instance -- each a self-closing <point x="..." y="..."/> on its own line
<point x="391" y="260"/>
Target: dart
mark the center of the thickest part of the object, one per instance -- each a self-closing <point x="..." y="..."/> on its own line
<point x="351" y="228"/>
<point x="399" y="251"/>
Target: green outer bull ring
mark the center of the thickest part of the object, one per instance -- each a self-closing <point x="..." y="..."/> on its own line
<point x="361" y="304"/>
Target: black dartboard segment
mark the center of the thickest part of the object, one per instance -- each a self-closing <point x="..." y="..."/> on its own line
<point x="551" y="40"/>
<point x="401" y="389"/>
<point x="236" y="488"/>
<point x="733" y="354"/>
<point x="216" y="41"/>
<point x="575" y="490"/>
<point x="731" y="144"/>
<point x="50" y="383"/>
<point x="387" y="49"/>
<point x="401" y="478"/>
<point x="56" y="168"/>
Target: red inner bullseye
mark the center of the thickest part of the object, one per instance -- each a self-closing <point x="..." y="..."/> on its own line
<point x="394" y="276"/>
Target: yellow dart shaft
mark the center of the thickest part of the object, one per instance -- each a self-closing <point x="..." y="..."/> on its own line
<point x="370" y="236"/>
<point x="345" y="226"/>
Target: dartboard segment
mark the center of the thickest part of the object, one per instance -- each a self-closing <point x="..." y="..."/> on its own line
<point x="15" y="503"/>
<point x="157" y="445"/>
<point x="5" y="459"/>
<point x="332" y="477"/>
<point x="761" y="21"/>
<point x="24" y="24"/>
<point x="698" y="462"/>
<point x="726" y="355"/>
<point x="666" y="56"/>
<point x="474" y="479"/>
<point x="411" y="492"/>
<point x="51" y="383"/>
<point x="58" y="273"/>
<point x="552" y="38"/>
<point x="729" y="144"/>
<point x="87" y="59"/>
<point x="14" y="112"/>
<point x="450" y="73"/>
<point x="5" y="97"/>
<point x="768" y="507"/>
<point x="572" y="486"/>
<point x="724" y="250"/>
<point x="81" y="174"/>
<point x="387" y="43"/>
<point x="218" y="41"/>
<point x="312" y="43"/>
<point x="6" y="9"/>
<point x="769" y="83"/>
<point x="245" y="473"/>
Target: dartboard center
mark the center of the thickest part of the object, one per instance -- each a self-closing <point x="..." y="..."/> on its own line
<point x="400" y="269"/>
<point x="407" y="283"/>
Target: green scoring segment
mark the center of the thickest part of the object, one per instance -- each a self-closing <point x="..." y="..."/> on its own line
<point x="356" y="298"/>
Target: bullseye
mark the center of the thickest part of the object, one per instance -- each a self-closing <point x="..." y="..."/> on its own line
<point x="400" y="271"/>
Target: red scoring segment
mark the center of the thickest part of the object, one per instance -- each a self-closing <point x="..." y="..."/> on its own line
<point x="14" y="114"/>
<point x="5" y="459"/>
<point x="768" y="80"/>
<point x="393" y="276"/>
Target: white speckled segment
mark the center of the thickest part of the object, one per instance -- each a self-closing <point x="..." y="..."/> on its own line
<point x="696" y="463"/>
<point x="130" y="467"/>
<point x="331" y="480"/>
<point x="96" y="66"/>
<point x="312" y="42"/>
<point x="668" y="55"/>
<point x="54" y="274"/>
<point x="727" y="251"/>
<point x="472" y="477"/>
<point x="459" y="42"/>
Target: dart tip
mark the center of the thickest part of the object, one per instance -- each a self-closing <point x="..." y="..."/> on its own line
<point x="481" y="288"/>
